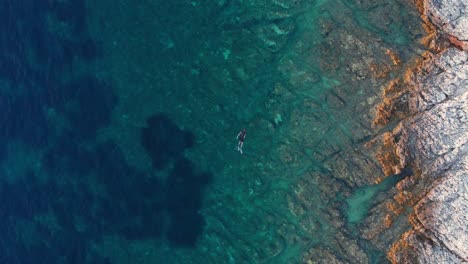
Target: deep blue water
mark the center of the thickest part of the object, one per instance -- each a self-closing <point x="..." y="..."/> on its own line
<point x="86" y="186"/>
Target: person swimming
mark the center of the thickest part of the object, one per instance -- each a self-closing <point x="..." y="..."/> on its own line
<point x="241" y="137"/>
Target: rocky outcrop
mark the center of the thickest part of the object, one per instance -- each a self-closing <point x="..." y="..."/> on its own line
<point x="428" y="108"/>
<point x="440" y="233"/>
<point x="450" y="17"/>
<point x="433" y="140"/>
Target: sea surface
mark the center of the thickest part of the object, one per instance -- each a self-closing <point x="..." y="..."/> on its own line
<point x="119" y="121"/>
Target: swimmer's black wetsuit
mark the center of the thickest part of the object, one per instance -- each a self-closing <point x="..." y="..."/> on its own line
<point x="242" y="135"/>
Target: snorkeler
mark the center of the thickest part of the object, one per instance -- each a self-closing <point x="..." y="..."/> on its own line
<point x="241" y="137"/>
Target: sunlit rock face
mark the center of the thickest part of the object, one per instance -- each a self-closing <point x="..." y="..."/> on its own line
<point x="428" y="108"/>
<point x="433" y="139"/>
<point x="450" y="16"/>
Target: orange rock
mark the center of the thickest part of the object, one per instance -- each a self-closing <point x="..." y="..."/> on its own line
<point x="460" y="44"/>
<point x="395" y="59"/>
<point x="388" y="221"/>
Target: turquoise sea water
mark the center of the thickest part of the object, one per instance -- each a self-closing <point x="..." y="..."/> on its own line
<point x="120" y="123"/>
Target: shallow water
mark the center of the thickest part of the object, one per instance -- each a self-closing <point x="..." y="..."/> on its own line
<point x="120" y="124"/>
<point x="364" y="197"/>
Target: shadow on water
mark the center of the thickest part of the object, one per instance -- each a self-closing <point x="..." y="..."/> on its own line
<point x="90" y="190"/>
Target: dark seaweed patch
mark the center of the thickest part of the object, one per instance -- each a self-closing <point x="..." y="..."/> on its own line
<point x="184" y="201"/>
<point x="164" y="141"/>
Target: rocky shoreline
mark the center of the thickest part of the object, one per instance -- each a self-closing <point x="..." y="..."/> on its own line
<point x="431" y="104"/>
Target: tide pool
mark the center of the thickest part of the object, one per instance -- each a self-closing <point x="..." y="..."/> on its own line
<point x="363" y="198"/>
